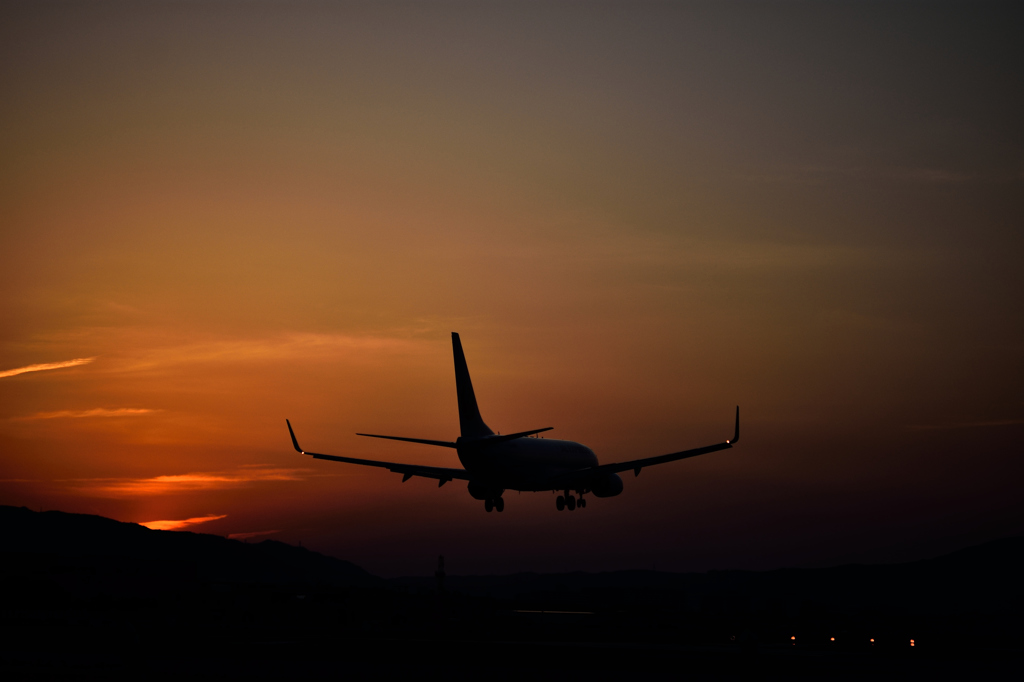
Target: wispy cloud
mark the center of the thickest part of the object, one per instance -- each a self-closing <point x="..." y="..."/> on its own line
<point x="179" y="483"/>
<point x="271" y="349"/>
<point x="157" y="349"/>
<point x="254" y="534"/>
<point x="45" y="366"/>
<point x="180" y="523"/>
<point x="95" y="412"/>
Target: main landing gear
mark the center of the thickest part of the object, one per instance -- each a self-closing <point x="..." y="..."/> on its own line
<point x="569" y="502"/>
<point x="494" y="504"/>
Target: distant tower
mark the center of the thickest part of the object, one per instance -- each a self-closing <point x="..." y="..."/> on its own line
<point x="439" y="574"/>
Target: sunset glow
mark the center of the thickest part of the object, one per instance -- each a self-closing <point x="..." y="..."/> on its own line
<point x="637" y="216"/>
<point x="180" y="524"/>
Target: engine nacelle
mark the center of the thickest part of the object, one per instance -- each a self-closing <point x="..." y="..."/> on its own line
<point x="480" y="491"/>
<point x="608" y="485"/>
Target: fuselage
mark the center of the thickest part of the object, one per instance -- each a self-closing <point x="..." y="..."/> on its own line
<point x="525" y="464"/>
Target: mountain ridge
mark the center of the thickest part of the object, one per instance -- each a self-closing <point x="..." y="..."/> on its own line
<point x="91" y="547"/>
<point x="88" y="554"/>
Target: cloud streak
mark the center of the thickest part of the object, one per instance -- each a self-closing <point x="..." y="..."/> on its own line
<point x="180" y="483"/>
<point x="261" y="350"/>
<point x="180" y="523"/>
<point x="45" y="366"/>
<point x="95" y="412"/>
<point x="254" y="534"/>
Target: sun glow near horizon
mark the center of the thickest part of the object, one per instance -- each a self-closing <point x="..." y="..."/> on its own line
<point x="636" y="215"/>
<point x="181" y="523"/>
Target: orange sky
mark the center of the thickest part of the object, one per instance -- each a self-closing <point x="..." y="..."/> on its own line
<point x="636" y="216"/>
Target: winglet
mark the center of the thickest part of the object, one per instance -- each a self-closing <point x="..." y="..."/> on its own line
<point x="736" y="437"/>
<point x="294" y="441"/>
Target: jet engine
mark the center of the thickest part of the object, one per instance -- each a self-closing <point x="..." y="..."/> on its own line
<point x="481" y="491"/>
<point x="608" y="485"/>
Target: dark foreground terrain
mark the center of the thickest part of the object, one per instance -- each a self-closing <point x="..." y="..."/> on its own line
<point x="85" y="596"/>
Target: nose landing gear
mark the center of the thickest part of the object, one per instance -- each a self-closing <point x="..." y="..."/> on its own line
<point x="496" y="504"/>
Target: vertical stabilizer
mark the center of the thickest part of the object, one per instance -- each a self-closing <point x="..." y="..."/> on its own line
<point x="469" y="414"/>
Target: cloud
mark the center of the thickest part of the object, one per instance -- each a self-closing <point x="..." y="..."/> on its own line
<point x="178" y="483"/>
<point x="45" y="366"/>
<point x="182" y="523"/>
<point x="136" y="350"/>
<point x="270" y="349"/>
<point x="95" y="412"/>
<point x="246" y="536"/>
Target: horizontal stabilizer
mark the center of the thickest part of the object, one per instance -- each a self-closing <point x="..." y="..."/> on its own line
<point x="513" y="436"/>
<point x="424" y="441"/>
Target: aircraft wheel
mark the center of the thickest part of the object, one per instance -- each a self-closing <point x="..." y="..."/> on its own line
<point x="499" y="504"/>
<point x="583" y="503"/>
<point x="489" y="505"/>
<point x="571" y="503"/>
<point x="560" y="503"/>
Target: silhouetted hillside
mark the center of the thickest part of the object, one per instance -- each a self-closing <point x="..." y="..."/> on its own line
<point x="83" y="595"/>
<point x="981" y="579"/>
<point x="84" y="556"/>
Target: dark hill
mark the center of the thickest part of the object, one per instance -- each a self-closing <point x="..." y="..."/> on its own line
<point x="87" y="555"/>
<point x="83" y="595"/>
<point x="981" y="579"/>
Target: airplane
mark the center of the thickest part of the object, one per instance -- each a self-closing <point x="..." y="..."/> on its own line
<point x="523" y="461"/>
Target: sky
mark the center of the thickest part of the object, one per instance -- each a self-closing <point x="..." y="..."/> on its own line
<point x="215" y="216"/>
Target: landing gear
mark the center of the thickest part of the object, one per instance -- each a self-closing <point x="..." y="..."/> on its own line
<point x="489" y="505"/>
<point x="497" y="504"/>
<point x="569" y="502"/>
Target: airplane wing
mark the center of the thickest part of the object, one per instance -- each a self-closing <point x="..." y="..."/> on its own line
<point x="443" y="475"/>
<point x="636" y="465"/>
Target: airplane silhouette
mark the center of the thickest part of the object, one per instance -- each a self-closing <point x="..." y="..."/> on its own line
<point x="494" y="463"/>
